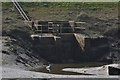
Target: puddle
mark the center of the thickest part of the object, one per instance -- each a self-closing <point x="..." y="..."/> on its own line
<point x="57" y="68"/>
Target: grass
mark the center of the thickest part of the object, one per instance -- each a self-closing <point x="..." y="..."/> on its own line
<point x="86" y="5"/>
<point x="52" y="10"/>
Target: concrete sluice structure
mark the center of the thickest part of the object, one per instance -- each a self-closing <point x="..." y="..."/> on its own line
<point x="62" y="42"/>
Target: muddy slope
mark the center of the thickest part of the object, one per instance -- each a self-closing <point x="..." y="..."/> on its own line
<point x="17" y="46"/>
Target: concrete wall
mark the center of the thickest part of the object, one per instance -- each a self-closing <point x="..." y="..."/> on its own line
<point x="68" y="47"/>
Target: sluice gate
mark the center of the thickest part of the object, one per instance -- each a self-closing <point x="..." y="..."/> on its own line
<point x="65" y="43"/>
<point x="62" y="41"/>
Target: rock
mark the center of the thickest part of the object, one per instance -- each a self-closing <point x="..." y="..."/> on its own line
<point x="82" y="17"/>
<point x="5" y="52"/>
<point x="19" y="60"/>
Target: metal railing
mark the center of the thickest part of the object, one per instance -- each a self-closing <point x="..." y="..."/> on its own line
<point x="21" y="11"/>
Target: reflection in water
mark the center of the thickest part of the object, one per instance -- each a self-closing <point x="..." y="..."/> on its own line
<point x="57" y="68"/>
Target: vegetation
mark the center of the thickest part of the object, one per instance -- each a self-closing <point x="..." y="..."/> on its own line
<point x="86" y="5"/>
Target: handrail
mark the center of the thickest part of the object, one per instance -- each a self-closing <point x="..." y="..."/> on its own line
<point x="19" y="8"/>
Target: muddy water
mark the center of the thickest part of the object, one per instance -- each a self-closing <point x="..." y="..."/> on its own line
<point x="57" y="68"/>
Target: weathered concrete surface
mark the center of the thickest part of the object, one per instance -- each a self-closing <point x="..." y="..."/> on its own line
<point x="81" y="40"/>
<point x="102" y="70"/>
<point x="69" y="47"/>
